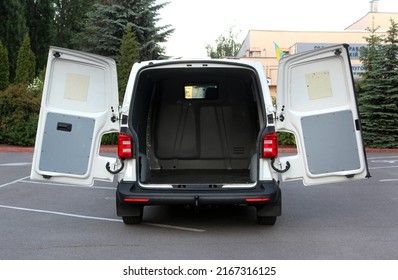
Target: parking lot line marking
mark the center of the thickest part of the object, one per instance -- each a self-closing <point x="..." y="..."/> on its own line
<point x="15" y="164"/>
<point x="60" y="213"/>
<point x="96" y="218"/>
<point x="388" y="180"/>
<point x="66" y="185"/>
<point x="13" y="182"/>
<point x="175" y="227"/>
<point x="383" y="157"/>
<point x="384" y="167"/>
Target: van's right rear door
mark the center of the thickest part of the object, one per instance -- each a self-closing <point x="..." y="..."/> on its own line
<point x="316" y="102"/>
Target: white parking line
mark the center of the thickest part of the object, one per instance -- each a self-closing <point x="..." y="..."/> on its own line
<point x="385" y="160"/>
<point x="388" y="180"/>
<point x="13" y="182"/>
<point x="391" y="161"/>
<point x="175" y="227"/>
<point x="96" y="218"/>
<point x="15" y="164"/>
<point x="82" y="216"/>
<point x="383" y="157"/>
<point x="59" y="213"/>
<point x="70" y="186"/>
<point x="383" y="167"/>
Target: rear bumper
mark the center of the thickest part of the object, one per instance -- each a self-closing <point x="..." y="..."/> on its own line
<point x="129" y="196"/>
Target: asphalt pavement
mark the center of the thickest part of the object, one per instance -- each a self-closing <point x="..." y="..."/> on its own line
<point x="355" y="220"/>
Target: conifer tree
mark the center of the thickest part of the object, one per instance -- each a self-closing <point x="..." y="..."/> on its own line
<point x="12" y="30"/>
<point x="103" y="31"/>
<point x="106" y="23"/>
<point x="144" y="16"/>
<point x="70" y="18"/>
<point x="26" y="63"/>
<point x="378" y="89"/>
<point x="40" y="22"/>
<point x="389" y="105"/>
<point x="129" y="53"/>
<point x="370" y="92"/>
<point x="4" y="67"/>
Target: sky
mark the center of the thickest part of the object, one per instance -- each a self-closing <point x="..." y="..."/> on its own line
<point x="201" y="22"/>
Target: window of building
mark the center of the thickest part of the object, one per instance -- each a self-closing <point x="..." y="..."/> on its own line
<point x="254" y="53"/>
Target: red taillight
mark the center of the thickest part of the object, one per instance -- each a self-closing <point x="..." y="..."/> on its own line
<point x="258" y="199"/>
<point x="270" y="145"/>
<point x="125" y="146"/>
<point x="136" y="199"/>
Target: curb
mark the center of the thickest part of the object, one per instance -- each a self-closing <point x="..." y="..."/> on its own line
<point x="113" y="149"/>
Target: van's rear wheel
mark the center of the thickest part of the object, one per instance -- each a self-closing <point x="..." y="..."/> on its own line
<point x="267" y="221"/>
<point x="133" y="220"/>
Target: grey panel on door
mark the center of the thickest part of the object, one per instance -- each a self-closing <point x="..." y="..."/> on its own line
<point x="66" y="144"/>
<point x="330" y="142"/>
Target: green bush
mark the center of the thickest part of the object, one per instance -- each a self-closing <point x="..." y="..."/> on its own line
<point x="109" y="139"/>
<point x="19" y="110"/>
<point x="286" y="139"/>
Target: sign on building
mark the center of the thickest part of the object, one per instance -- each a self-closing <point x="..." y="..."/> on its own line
<point x="354" y="50"/>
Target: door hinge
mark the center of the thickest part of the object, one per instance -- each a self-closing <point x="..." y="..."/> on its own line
<point x="115" y="117"/>
<point x="338" y="52"/>
<point x="281" y="117"/>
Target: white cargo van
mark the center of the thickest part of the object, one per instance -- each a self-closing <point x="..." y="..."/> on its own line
<point x="199" y="132"/>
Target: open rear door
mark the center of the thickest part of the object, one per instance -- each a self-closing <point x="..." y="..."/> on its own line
<point x="316" y="102"/>
<point x="79" y="105"/>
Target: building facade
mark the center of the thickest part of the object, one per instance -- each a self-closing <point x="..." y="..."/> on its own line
<point x="259" y="45"/>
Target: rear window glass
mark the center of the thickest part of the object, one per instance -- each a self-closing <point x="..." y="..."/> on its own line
<point x="201" y="91"/>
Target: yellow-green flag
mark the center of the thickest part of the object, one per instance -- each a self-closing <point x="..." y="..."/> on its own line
<point x="278" y="51"/>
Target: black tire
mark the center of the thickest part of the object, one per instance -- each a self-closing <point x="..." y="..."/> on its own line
<point x="267" y="221"/>
<point x="133" y="220"/>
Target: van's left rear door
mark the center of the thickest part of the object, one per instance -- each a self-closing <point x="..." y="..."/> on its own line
<point x="79" y="105"/>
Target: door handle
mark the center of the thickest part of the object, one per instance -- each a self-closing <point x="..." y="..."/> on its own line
<point x="64" y="126"/>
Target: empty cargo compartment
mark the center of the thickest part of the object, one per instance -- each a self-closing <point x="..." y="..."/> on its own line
<point x="196" y="128"/>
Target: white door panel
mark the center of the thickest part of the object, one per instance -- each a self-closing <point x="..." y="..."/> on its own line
<point x="316" y="102"/>
<point x="79" y="100"/>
